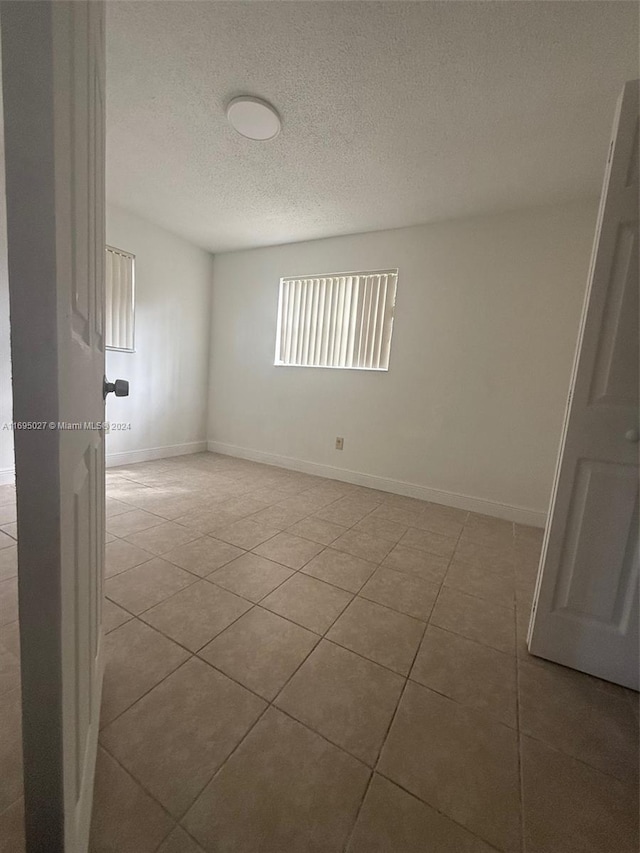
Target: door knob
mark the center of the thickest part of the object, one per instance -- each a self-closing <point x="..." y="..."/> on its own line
<point x="120" y="387"/>
<point x="632" y="435"/>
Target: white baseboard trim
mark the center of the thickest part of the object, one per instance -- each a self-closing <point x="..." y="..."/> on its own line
<point x="129" y="457"/>
<point x="522" y="515"/>
<point x="7" y="476"/>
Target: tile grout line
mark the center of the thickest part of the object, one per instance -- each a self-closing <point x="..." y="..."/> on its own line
<point x="376" y="769"/>
<point x="271" y="704"/>
<point x="378" y="565"/>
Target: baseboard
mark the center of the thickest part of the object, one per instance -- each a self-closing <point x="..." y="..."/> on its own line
<point x="7" y="476"/>
<point x="522" y="515"/>
<point x="129" y="457"/>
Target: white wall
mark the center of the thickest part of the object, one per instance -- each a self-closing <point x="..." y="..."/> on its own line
<point x="168" y="373"/>
<point x="485" y="328"/>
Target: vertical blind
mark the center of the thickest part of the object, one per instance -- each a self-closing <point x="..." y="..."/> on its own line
<point x="341" y="320"/>
<point x="119" y="299"/>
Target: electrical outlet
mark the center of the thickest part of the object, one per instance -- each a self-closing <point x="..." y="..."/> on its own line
<point x="339" y="443"/>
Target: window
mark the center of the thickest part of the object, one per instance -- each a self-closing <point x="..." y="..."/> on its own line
<point x="339" y="320"/>
<point x="119" y="300"/>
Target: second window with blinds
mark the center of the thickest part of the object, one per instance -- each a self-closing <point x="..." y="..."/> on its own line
<point x="119" y="300"/>
<point x="342" y="320"/>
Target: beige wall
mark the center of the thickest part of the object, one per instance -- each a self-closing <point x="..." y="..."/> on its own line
<point x="471" y="409"/>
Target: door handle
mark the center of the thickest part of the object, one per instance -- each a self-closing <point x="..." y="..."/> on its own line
<point x="120" y="387"/>
<point x="632" y="435"/>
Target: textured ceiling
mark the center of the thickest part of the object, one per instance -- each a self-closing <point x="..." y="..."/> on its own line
<point x="393" y="113"/>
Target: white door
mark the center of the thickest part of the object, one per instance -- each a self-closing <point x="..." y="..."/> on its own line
<point x="585" y="612"/>
<point x="53" y="89"/>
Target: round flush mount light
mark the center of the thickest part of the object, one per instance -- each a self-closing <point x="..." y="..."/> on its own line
<point x="253" y="118"/>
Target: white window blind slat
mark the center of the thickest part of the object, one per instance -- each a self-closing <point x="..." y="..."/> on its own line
<point x="341" y="320"/>
<point x="382" y="307"/>
<point x="119" y="299"/>
<point x="291" y="291"/>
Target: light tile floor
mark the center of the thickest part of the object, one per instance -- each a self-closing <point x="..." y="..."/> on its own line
<point x="298" y="665"/>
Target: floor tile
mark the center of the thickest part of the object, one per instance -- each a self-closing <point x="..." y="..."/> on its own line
<point x="278" y="516"/>
<point x="432" y="543"/>
<point x="113" y="616"/>
<point x="150" y="583"/>
<point x="10" y="638"/>
<point x="317" y="530"/>
<point x="246" y="533"/>
<point x="203" y="556"/>
<point x="121" y="555"/>
<point x="284" y="789"/>
<point x="344" y="697"/>
<point x="8" y="513"/>
<point x="397" y="514"/>
<point x="487" y="530"/>
<point x="125" y="818"/>
<point x="261" y="650"/>
<point x="8" y="536"/>
<point x="251" y="576"/>
<point x="114" y="507"/>
<point x="444" y="520"/>
<point x="340" y="569"/>
<point x="137" y="658"/>
<point x="308" y="602"/>
<point x="10" y="529"/>
<point x="429" y="567"/>
<point x="403" y="502"/>
<point x="9" y="670"/>
<point x="243" y="506"/>
<point x="206" y="520"/>
<point x="10" y="748"/>
<point x="175" y="738"/>
<point x="499" y="559"/>
<point x="571" y="807"/>
<point x="408" y="594"/>
<point x="268" y="495"/>
<point x="393" y="821"/>
<point x="530" y="535"/>
<point x="8" y="601"/>
<point x="12" y="828"/>
<point x="468" y="672"/>
<point x="132" y="522"/>
<point x="479" y="581"/>
<point x="195" y="615"/>
<point x="476" y="619"/>
<point x="570" y="713"/>
<point x="290" y="551"/>
<point x="378" y="633"/>
<point x="373" y="525"/>
<point x="163" y="537"/>
<point x="457" y="761"/>
<point x="7" y="494"/>
<point x="179" y="842"/>
<point x="8" y="563"/>
<point x="343" y="512"/>
<point x="372" y="548"/>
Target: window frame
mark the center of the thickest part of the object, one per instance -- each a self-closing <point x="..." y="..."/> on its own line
<point x="392" y="271"/>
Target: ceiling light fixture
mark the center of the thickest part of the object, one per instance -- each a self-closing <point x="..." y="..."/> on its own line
<point x="253" y="118"/>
